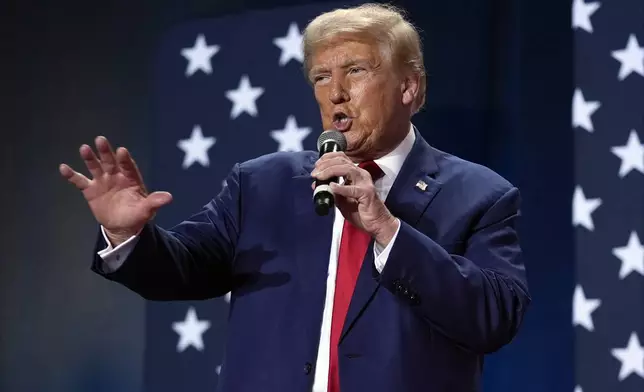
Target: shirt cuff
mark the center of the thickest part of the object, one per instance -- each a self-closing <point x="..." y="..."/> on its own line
<point x="380" y="254"/>
<point x="112" y="257"/>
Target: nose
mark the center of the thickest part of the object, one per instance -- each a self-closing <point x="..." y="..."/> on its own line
<point x="337" y="93"/>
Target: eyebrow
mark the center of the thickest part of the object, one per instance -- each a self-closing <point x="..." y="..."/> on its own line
<point x="346" y="64"/>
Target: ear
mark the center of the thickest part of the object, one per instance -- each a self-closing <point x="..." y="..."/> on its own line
<point x="409" y="88"/>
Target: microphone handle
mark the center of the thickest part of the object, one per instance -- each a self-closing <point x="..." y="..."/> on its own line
<point x="322" y="195"/>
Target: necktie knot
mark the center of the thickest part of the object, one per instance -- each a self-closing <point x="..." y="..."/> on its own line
<point x="373" y="169"/>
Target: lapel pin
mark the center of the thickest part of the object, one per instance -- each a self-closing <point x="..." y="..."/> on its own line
<point x="421" y="185"/>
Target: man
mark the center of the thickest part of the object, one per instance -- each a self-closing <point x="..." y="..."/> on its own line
<point x="413" y="278"/>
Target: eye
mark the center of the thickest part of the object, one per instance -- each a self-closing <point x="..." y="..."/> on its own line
<point x="355" y="69"/>
<point x="319" y="78"/>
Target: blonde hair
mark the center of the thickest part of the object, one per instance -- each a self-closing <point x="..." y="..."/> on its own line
<point x="384" y="23"/>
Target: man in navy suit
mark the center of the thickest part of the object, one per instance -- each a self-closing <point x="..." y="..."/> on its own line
<point x="412" y="278"/>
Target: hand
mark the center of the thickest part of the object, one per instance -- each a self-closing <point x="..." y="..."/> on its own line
<point x="116" y="194"/>
<point x="357" y="199"/>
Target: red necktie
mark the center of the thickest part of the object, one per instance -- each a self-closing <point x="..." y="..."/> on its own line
<point x="353" y="247"/>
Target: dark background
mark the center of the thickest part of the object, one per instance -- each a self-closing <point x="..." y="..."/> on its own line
<point x="500" y="82"/>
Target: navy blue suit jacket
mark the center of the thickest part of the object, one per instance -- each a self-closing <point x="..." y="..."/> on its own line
<point x="453" y="289"/>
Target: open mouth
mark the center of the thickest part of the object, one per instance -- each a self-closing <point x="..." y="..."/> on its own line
<point x="341" y="121"/>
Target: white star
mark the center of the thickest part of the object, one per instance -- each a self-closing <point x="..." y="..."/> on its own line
<point x="583" y="208"/>
<point x="196" y="148"/>
<point x="583" y="308"/>
<point x="199" y="56"/>
<point x="291" y="45"/>
<point x="631" y="357"/>
<point x="631" y="154"/>
<point x="582" y="110"/>
<point x="631" y="255"/>
<point x="581" y="13"/>
<point x="291" y="137"/>
<point x="244" y="98"/>
<point x="631" y="58"/>
<point x="190" y="331"/>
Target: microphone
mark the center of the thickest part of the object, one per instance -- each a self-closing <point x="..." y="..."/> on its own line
<point x="328" y="141"/>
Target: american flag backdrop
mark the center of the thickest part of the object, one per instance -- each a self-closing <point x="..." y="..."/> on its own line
<point x="227" y="89"/>
<point x="231" y="88"/>
<point x="608" y="208"/>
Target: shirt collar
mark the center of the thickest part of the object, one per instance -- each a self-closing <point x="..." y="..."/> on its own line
<point x="393" y="161"/>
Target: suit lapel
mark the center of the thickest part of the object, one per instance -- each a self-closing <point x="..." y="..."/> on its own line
<point x="410" y="195"/>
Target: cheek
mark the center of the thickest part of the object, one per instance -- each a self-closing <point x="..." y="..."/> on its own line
<point x="323" y="104"/>
<point x="373" y="102"/>
<point x="318" y="97"/>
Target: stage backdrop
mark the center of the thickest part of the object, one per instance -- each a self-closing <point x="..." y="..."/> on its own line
<point x="608" y="213"/>
<point x="193" y="86"/>
<point x="230" y="88"/>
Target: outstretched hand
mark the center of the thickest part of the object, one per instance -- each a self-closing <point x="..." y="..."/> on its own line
<point x="116" y="193"/>
<point x="357" y="198"/>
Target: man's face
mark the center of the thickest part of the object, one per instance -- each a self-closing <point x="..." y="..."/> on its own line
<point x="360" y="95"/>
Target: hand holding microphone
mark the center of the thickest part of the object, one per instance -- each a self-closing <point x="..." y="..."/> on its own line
<point x="356" y="198"/>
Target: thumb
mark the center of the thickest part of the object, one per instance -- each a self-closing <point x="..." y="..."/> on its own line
<point x="156" y="200"/>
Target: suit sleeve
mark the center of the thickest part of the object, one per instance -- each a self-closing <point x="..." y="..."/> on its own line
<point x="190" y="261"/>
<point x="477" y="299"/>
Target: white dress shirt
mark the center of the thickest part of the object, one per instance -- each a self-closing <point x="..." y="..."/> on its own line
<point x="390" y="164"/>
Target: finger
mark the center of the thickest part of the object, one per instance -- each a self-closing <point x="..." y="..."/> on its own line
<point x="347" y="191"/>
<point x="91" y="161"/>
<point x="157" y="200"/>
<point x="348" y="171"/>
<point x="74" y="177"/>
<point x="338" y="160"/>
<point x="333" y="154"/>
<point x="128" y="166"/>
<point x="108" y="160"/>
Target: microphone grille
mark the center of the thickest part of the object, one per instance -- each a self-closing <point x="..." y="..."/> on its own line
<point x="335" y="136"/>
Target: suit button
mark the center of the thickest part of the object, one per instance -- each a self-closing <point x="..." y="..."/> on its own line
<point x="307" y="368"/>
